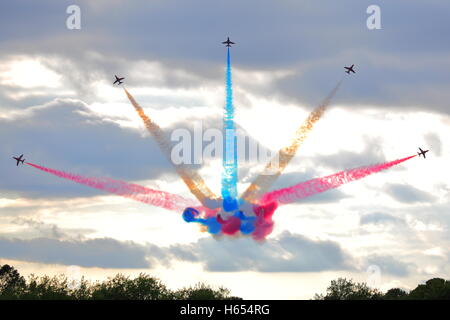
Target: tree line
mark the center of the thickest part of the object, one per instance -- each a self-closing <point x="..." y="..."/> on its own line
<point x="347" y="289"/>
<point x="120" y="287"/>
<point x="145" y="287"/>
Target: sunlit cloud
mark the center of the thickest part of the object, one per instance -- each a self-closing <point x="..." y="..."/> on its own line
<point x="28" y="73"/>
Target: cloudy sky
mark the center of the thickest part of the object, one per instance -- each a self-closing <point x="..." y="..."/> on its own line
<point x="59" y="108"/>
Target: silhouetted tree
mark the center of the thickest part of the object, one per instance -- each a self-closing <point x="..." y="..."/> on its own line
<point x="12" y="283"/>
<point x="48" y="288"/>
<point x="395" y="294"/>
<point x="144" y="287"/>
<point x="343" y="289"/>
<point x="203" y="292"/>
<point x="433" y="289"/>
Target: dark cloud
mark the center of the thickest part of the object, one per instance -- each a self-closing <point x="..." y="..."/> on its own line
<point x="47" y="230"/>
<point x="438" y="213"/>
<point x="103" y="253"/>
<point x="371" y="154"/>
<point x="408" y="194"/>
<point x="403" y="64"/>
<point x="197" y="126"/>
<point x="33" y="228"/>
<point x="288" y="253"/>
<point x="291" y="178"/>
<point x="389" y="265"/>
<point x="288" y="179"/>
<point x="380" y="218"/>
<point x="63" y="134"/>
<point x="330" y="196"/>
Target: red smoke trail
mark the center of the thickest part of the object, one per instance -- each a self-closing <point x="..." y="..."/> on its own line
<point x="128" y="190"/>
<point x="318" y="185"/>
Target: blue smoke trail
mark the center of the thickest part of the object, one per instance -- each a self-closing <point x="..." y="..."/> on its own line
<point x="230" y="167"/>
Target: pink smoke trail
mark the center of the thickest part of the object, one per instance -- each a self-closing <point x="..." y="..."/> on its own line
<point x="136" y="192"/>
<point x="318" y="185"/>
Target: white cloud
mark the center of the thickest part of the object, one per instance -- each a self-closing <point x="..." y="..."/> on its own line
<point x="28" y="73"/>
